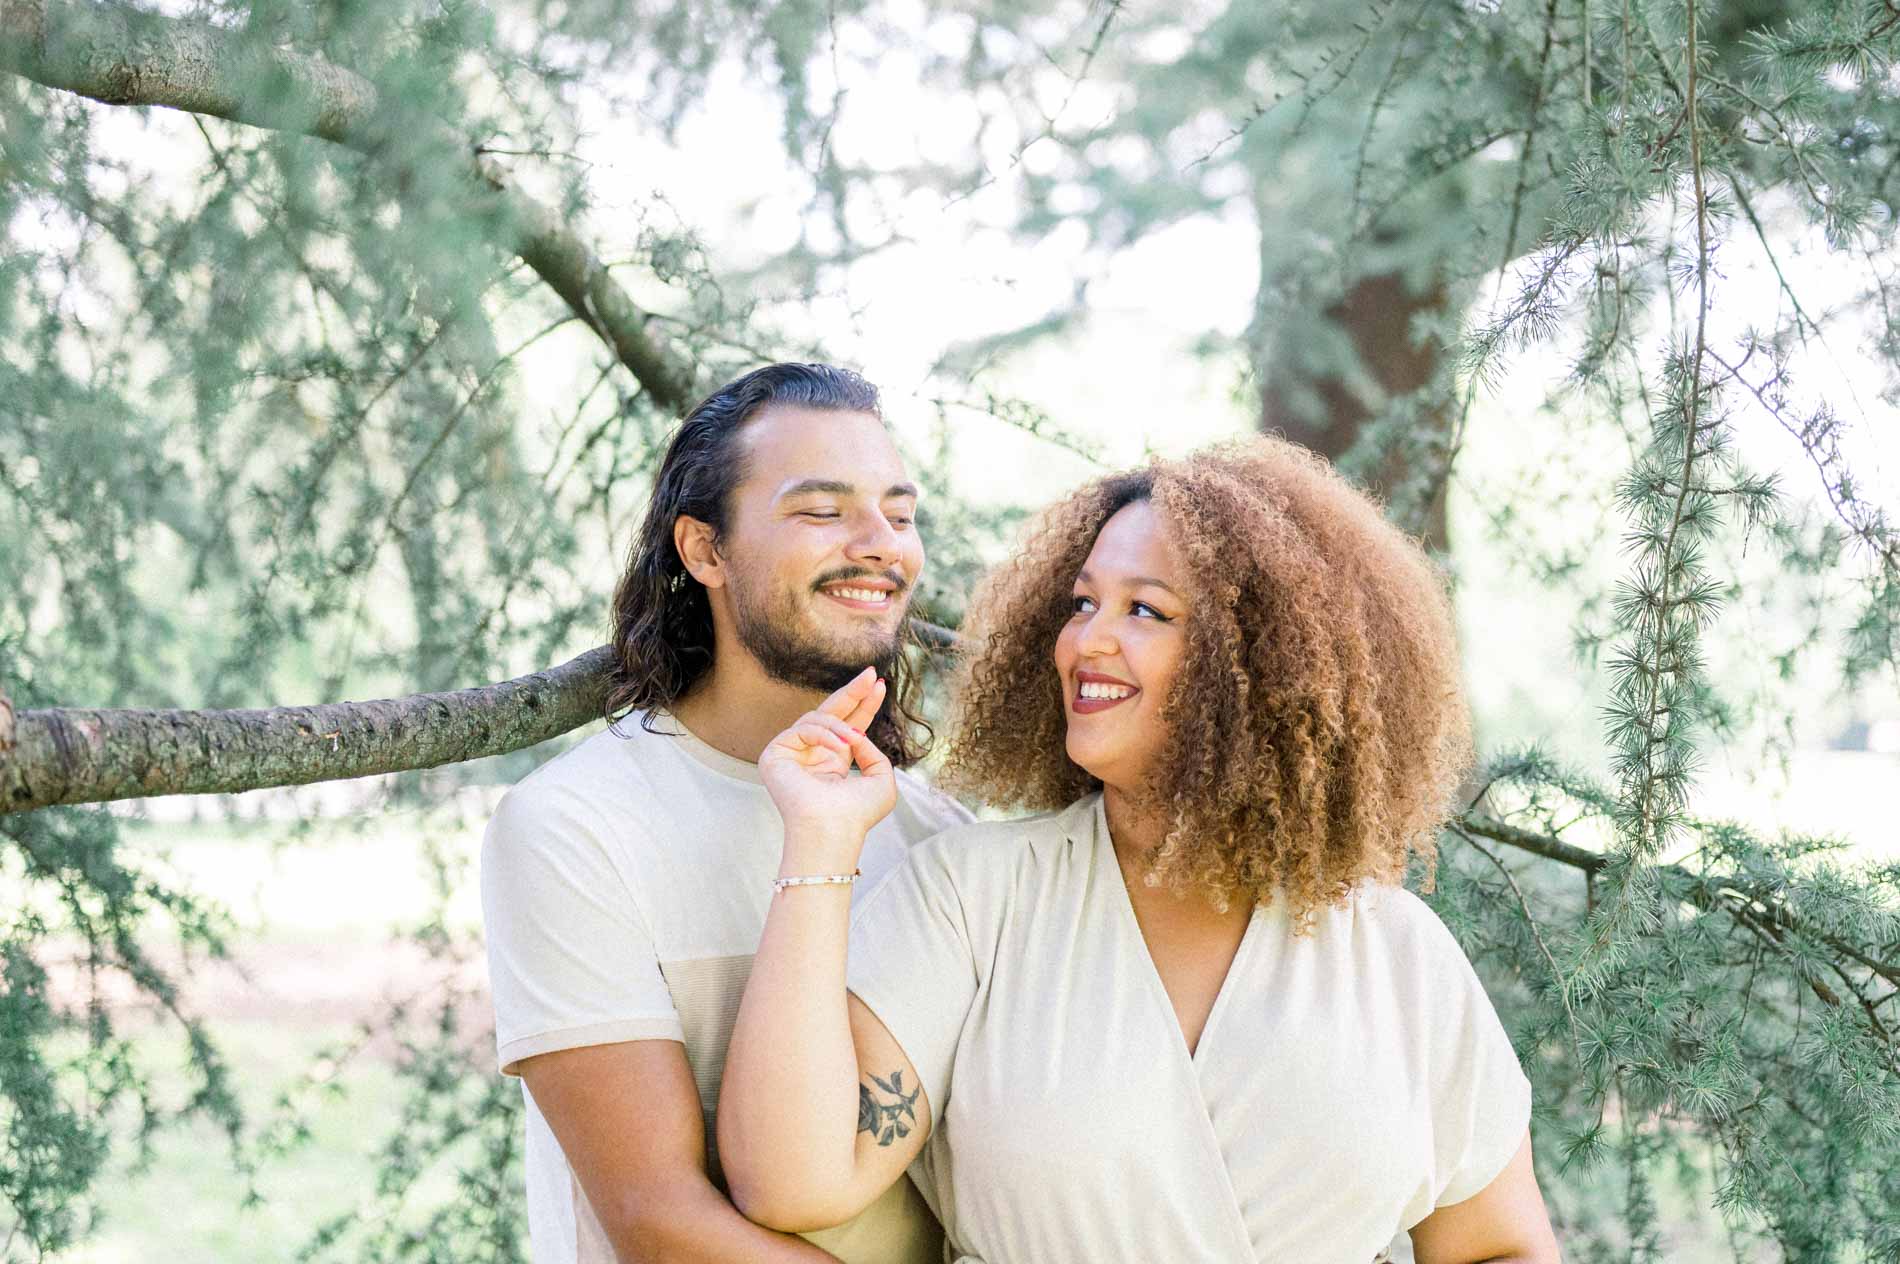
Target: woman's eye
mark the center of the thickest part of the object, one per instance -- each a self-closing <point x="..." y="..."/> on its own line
<point x="1081" y="605"/>
<point x="902" y="522"/>
<point x="1141" y="606"/>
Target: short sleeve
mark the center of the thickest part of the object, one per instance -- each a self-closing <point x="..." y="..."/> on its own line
<point x="928" y="810"/>
<point x="570" y="958"/>
<point x="911" y="964"/>
<point x="1481" y="1100"/>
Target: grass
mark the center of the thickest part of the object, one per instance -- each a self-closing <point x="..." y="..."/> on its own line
<point x="318" y="950"/>
<point x="187" y="1204"/>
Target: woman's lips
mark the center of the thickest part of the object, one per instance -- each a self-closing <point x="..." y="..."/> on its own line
<point x="1089" y="706"/>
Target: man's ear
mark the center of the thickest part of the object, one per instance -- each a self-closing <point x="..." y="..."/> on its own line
<point x="693" y="541"/>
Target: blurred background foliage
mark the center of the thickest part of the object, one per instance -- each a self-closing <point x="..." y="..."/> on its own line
<point x="1598" y="294"/>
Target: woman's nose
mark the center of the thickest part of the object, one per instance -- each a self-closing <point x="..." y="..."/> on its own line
<point x="1095" y="637"/>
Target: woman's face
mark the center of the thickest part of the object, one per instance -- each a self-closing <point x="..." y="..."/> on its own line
<point x="1122" y="646"/>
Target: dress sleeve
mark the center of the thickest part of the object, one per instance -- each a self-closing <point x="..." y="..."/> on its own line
<point x="910" y="962"/>
<point x="571" y="960"/>
<point x="1481" y="1100"/>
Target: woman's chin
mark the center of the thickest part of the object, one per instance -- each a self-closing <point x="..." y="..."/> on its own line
<point x="1089" y="758"/>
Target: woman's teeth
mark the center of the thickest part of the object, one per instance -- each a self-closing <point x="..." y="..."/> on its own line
<point x="1103" y="691"/>
<point x="860" y="594"/>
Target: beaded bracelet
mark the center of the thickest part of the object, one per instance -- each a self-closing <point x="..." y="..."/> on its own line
<point x="815" y="880"/>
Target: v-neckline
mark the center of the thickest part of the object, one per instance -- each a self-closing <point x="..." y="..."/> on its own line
<point x="1109" y="864"/>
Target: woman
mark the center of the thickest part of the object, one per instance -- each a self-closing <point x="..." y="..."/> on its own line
<point x="1191" y="1015"/>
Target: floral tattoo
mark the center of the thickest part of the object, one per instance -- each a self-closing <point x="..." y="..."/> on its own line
<point x="887" y="1121"/>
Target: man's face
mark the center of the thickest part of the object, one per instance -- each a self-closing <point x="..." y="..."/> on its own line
<point x="822" y="545"/>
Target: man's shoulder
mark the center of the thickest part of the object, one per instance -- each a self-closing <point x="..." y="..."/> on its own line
<point x="581" y="786"/>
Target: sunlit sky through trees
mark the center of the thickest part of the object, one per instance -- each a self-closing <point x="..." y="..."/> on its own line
<point x="1152" y="366"/>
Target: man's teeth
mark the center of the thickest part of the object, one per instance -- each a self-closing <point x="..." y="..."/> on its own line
<point x="1091" y="690"/>
<point x="860" y="594"/>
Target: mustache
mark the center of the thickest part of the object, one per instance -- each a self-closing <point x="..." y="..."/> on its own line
<point x="861" y="572"/>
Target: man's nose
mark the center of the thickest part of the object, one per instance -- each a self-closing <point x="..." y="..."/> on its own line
<point x="875" y="540"/>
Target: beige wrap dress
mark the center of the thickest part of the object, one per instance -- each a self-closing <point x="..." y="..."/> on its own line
<point x="1345" y="1085"/>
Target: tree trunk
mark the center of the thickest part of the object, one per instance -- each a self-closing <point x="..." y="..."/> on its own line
<point x="1323" y="411"/>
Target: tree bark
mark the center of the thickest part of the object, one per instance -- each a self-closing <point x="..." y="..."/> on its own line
<point x="83" y="755"/>
<point x="1375" y="313"/>
<point x="118" y="55"/>
<point x="75" y="755"/>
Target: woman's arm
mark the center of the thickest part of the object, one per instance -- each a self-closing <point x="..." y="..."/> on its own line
<point x="1503" y="1223"/>
<point x="819" y="1111"/>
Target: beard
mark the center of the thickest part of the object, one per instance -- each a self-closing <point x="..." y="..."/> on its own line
<point x="775" y="628"/>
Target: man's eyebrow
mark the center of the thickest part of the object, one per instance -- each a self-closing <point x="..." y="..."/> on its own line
<point x="819" y="486"/>
<point x="832" y="487"/>
<point x="1135" y="581"/>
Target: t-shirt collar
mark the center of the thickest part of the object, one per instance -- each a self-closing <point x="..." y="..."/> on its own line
<point x="717" y="760"/>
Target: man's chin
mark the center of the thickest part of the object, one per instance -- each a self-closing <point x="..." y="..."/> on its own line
<point x="852" y="633"/>
<point x="823" y="662"/>
<point x="847" y="660"/>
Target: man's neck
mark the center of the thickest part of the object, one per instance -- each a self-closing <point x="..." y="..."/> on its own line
<point x="737" y="709"/>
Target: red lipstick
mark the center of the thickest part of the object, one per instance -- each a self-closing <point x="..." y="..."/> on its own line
<point x="1089" y="706"/>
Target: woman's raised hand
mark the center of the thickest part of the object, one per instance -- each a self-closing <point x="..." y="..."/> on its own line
<point x="807" y="771"/>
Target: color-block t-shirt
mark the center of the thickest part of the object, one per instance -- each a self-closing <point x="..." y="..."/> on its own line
<point x="624" y="887"/>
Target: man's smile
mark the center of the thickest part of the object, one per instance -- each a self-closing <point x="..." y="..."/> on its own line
<point x="862" y="594"/>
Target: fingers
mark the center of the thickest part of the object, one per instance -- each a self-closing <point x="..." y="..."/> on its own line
<point x="870" y="760"/>
<point x="866" y="711"/>
<point x="849" y="700"/>
<point x="822" y="736"/>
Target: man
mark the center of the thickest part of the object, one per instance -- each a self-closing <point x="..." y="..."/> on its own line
<point x="624" y="884"/>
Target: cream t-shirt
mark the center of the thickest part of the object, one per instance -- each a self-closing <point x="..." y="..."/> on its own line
<point x="624" y="887"/>
<point x="1345" y="1085"/>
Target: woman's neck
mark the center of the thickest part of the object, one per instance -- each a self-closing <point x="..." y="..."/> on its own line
<point x="1135" y="826"/>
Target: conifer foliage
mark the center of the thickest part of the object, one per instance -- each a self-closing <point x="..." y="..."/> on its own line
<point x="265" y="436"/>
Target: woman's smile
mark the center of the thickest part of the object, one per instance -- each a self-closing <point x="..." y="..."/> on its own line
<point x="1096" y="692"/>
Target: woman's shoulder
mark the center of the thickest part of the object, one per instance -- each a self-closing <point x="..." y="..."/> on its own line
<point x="1391" y="921"/>
<point x="982" y="847"/>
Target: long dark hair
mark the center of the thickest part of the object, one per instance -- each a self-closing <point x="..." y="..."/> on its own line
<point x="662" y="621"/>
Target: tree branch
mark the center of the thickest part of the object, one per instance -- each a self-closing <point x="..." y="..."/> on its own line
<point x="73" y="755"/>
<point x="117" y="55"/>
<point x="84" y="755"/>
<point x="1715" y="894"/>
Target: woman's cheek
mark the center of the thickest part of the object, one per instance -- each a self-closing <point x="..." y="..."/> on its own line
<point x="1064" y="653"/>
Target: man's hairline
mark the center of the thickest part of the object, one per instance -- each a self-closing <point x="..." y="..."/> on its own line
<point x="742" y="446"/>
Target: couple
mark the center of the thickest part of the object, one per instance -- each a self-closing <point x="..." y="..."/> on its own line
<point x="1189" y="1015"/>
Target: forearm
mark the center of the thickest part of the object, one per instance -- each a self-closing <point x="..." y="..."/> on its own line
<point x="695" y="1224"/>
<point x="1428" y="1253"/>
<point x="788" y="1110"/>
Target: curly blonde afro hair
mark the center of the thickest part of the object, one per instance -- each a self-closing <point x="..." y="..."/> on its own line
<point x="1317" y="728"/>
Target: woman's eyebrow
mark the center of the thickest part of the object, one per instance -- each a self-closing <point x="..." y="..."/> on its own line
<point x="1135" y="581"/>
